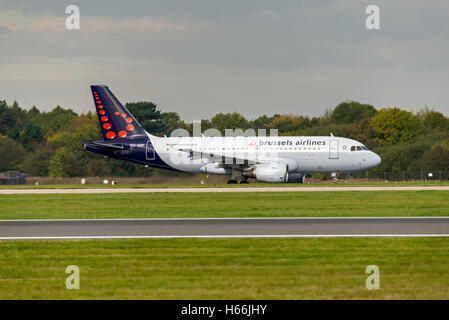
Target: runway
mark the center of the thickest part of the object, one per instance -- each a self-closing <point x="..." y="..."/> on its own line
<point x="221" y="189"/>
<point x="223" y="228"/>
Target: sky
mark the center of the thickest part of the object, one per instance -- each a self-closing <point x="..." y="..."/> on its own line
<point x="201" y="57"/>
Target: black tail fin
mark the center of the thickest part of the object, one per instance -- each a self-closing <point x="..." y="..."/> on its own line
<point x="116" y="122"/>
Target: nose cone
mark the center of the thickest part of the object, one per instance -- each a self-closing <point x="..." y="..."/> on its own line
<point x="374" y="160"/>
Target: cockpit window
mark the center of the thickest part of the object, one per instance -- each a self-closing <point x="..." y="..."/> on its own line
<point x="358" y="148"/>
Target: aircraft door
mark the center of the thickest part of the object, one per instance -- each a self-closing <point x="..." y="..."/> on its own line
<point x="333" y="149"/>
<point x="150" y="152"/>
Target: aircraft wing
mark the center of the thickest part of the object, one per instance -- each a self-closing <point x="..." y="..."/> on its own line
<point x="230" y="160"/>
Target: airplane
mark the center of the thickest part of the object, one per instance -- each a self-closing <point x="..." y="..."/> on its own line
<point x="283" y="159"/>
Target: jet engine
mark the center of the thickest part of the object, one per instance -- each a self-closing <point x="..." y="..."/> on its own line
<point x="276" y="173"/>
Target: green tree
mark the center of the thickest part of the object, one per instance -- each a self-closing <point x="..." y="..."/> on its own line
<point x="432" y="119"/>
<point x="59" y="140"/>
<point x="153" y="120"/>
<point x="171" y="121"/>
<point x="289" y="124"/>
<point x="7" y="120"/>
<point x="65" y="164"/>
<point x="32" y="134"/>
<point x="435" y="159"/>
<point x="404" y="156"/>
<point x="351" y="112"/>
<point x="57" y="119"/>
<point x="98" y="168"/>
<point x="262" y="122"/>
<point x="325" y="130"/>
<point x="394" y="125"/>
<point x="12" y="154"/>
<point x="74" y="139"/>
<point x="17" y="117"/>
<point x="36" y="163"/>
<point x="33" y="113"/>
<point x="223" y="121"/>
<point x="361" y="131"/>
<point x="147" y="114"/>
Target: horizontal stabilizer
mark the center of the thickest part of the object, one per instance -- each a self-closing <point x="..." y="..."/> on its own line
<point x="108" y="146"/>
<point x="103" y="145"/>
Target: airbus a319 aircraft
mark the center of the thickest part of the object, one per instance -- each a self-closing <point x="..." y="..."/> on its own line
<point x="267" y="159"/>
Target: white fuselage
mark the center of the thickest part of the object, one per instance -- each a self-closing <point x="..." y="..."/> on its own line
<point x="318" y="154"/>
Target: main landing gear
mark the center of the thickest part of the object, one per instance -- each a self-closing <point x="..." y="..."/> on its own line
<point x="237" y="177"/>
<point x="235" y="181"/>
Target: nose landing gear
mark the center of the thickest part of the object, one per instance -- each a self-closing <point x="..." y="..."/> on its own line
<point x="334" y="176"/>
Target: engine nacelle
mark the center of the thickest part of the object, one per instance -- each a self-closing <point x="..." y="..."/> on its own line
<point x="296" y="178"/>
<point x="276" y="173"/>
<point x="215" y="169"/>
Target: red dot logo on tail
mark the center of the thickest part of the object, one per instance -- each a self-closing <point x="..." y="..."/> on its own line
<point x="110" y="135"/>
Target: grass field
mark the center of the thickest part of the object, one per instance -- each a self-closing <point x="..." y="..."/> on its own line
<point x="410" y="268"/>
<point x="195" y="205"/>
<point x="309" y="268"/>
<point x="256" y="185"/>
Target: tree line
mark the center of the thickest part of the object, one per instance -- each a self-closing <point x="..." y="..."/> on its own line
<point x="51" y="143"/>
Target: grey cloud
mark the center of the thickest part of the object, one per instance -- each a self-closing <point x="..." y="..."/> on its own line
<point x="249" y="56"/>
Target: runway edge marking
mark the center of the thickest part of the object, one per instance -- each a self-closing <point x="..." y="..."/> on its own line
<point x="224" y="236"/>
<point x="227" y="218"/>
<point x="205" y="190"/>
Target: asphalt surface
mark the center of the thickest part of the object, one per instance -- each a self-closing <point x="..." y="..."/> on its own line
<point x="231" y="189"/>
<point x="243" y="227"/>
